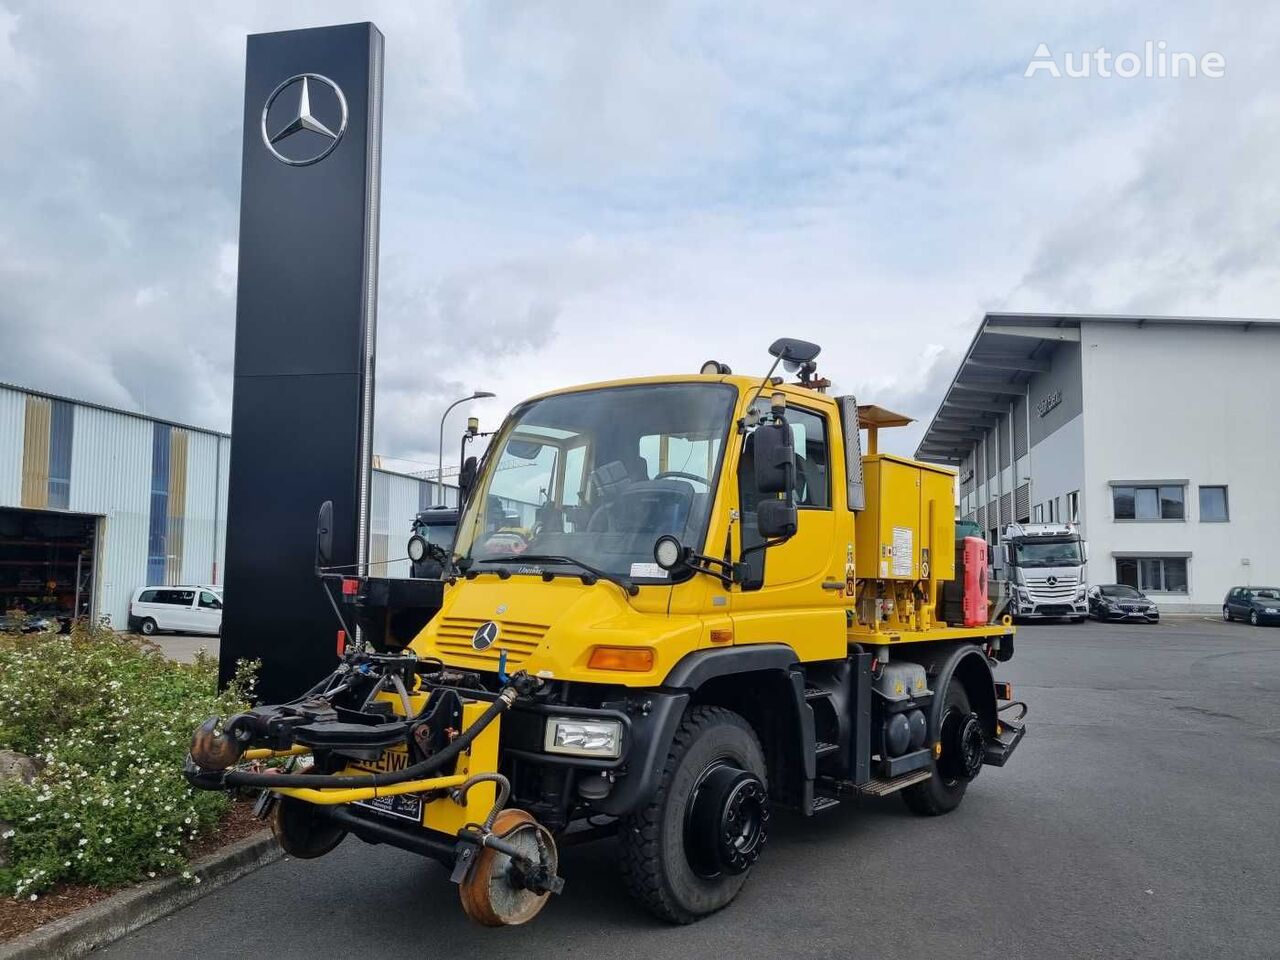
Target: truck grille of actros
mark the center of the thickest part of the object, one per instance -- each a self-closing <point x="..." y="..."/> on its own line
<point x="518" y="639"/>
<point x="1042" y="591"/>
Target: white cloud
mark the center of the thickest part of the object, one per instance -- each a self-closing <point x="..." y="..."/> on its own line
<point x="583" y="191"/>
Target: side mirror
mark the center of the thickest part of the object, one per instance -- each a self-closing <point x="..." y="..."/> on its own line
<point x="1006" y="554"/>
<point x="324" y="535"/>
<point x="776" y="519"/>
<point x="775" y="457"/>
<point x="1084" y="551"/>
<point x="466" y="479"/>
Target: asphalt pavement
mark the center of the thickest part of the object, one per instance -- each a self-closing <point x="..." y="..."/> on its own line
<point x="1139" y="818"/>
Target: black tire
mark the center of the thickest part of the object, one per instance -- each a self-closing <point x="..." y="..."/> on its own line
<point x="1226" y="613"/>
<point x="147" y="628"/>
<point x="1253" y="618"/>
<point x="654" y="861"/>
<point x="941" y="793"/>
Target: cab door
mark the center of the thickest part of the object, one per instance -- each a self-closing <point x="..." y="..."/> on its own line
<point x="794" y="591"/>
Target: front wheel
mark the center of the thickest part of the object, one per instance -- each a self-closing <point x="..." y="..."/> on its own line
<point x="1253" y="618"/>
<point x="963" y="745"/>
<point x="688" y="852"/>
<point x="1226" y="613"/>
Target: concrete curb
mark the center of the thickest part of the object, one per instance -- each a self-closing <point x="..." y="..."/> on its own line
<point x="108" y="920"/>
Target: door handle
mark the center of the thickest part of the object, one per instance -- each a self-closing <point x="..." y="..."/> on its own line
<point x="832" y="584"/>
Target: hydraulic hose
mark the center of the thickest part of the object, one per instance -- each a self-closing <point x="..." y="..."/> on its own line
<point x="243" y="778"/>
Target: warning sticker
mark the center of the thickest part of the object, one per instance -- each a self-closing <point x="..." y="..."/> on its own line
<point x="903" y="560"/>
<point x="649" y="570"/>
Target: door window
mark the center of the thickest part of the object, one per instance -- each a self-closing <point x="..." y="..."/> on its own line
<point x="209" y="602"/>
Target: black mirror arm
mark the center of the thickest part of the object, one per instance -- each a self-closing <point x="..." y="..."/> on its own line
<point x="704" y="564"/>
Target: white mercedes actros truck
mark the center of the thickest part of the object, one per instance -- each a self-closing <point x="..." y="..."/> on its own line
<point x="1045" y="570"/>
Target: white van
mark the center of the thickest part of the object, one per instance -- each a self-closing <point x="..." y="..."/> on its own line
<point x="180" y="609"/>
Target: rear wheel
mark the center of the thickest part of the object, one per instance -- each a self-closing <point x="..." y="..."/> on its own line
<point x="148" y="627"/>
<point x="687" y="853"/>
<point x="963" y="744"/>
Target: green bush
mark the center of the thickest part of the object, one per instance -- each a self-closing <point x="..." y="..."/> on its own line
<point x="109" y="719"/>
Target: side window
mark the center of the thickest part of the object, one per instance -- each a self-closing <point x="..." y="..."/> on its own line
<point x="166" y="596"/>
<point x="186" y="597"/>
<point x="209" y="601"/>
<point x="147" y="596"/>
<point x="813" y="471"/>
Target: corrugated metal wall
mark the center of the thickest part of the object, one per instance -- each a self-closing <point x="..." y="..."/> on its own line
<point x="403" y="497"/>
<point x="111" y="477"/>
<point x="13" y="415"/>
<point x="200" y="520"/>
<point x="220" y="509"/>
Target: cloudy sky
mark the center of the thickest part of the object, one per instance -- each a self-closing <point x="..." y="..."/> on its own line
<point x="583" y="190"/>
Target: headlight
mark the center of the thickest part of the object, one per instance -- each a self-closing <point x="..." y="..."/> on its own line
<point x="417" y="548"/>
<point x="1270" y="610"/>
<point x="583" y="738"/>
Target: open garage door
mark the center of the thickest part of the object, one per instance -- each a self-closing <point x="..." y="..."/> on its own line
<point x="46" y="565"/>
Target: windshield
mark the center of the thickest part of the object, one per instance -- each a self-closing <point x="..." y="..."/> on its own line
<point x="1119" y="590"/>
<point x="1265" y="593"/>
<point x="441" y="534"/>
<point x="597" y="476"/>
<point x="1040" y="554"/>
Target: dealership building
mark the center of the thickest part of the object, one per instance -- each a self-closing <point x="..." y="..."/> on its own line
<point x="1159" y="436"/>
<point x="96" y="502"/>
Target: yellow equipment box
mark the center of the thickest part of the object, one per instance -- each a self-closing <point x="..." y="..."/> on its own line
<point x="907" y="531"/>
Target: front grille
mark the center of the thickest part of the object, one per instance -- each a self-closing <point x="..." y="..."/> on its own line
<point x="1043" y="591"/>
<point x="518" y="639"/>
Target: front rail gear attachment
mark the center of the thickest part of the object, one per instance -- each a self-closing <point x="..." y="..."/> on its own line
<point x="513" y="874"/>
<point x="371" y="750"/>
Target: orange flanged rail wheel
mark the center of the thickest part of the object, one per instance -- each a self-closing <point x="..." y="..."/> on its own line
<point x="491" y="895"/>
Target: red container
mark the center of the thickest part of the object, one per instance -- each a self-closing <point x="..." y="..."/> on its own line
<point x="975" y="581"/>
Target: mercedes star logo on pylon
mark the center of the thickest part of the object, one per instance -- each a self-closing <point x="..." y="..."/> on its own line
<point x="297" y="135"/>
<point x="485" y="635"/>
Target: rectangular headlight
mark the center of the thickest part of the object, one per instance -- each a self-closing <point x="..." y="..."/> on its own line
<point x="583" y="738"/>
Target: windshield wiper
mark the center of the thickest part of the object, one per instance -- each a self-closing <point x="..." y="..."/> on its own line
<point x="593" y="572"/>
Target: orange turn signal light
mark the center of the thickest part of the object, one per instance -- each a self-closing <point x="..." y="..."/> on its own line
<point x="721" y="636"/>
<point x="632" y="659"/>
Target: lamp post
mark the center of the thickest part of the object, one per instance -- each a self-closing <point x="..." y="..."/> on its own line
<point x="478" y="395"/>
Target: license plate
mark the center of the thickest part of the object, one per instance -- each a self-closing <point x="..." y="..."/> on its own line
<point x="406" y="806"/>
<point x="391" y="761"/>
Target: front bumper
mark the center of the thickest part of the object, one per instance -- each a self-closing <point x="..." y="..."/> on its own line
<point x="1033" y="609"/>
<point x="1130" y="616"/>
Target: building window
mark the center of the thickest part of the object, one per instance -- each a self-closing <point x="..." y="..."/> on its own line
<point x="1148" y="503"/>
<point x="1213" y="505"/>
<point x="61" y="424"/>
<point x="1153" y="574"/>
<point x="1073" y="506"/>
<point x="1039" y="513"/>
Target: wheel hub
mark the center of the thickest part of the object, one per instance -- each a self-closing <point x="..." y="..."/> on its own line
<point x="963" y="745"/>
<point x="726" y="821"/>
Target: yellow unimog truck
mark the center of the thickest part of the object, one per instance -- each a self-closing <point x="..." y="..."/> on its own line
<point x="716" y="605"/>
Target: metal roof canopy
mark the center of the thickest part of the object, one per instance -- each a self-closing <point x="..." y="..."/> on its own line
<point x="1006" y="351"/>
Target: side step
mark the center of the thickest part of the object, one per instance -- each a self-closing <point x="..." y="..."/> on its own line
<point x="876" y="787"/>
<point x="823" y="803"/>
<point x="882" y="788"/>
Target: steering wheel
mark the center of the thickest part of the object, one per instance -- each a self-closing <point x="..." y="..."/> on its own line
<point x="683" y="476"/>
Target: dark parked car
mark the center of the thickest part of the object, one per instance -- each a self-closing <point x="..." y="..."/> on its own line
<point x="1255" y="604"/>
<point x="1118" y="601"/>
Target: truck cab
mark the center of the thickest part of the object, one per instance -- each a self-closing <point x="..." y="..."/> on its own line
<point x="1045" y="569"/>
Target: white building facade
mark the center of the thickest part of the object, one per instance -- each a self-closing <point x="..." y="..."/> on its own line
<point x="1160" y="436"/>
